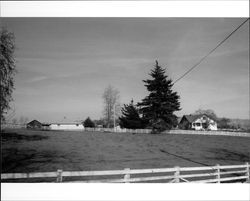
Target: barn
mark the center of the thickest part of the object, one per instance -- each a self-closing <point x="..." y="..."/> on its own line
<point x="198" y="122"/>
<point x="34" y="125"/>
<point x="46" y="126"/>
<point x="66" y="126"/>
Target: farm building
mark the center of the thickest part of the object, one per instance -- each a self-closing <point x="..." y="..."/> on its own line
<point x="34" y="125"/>
<point x="198" y="122"/>
<point x="66" y="126"/>
<point x="54" y="126"/>
<point x="46" y="126"/>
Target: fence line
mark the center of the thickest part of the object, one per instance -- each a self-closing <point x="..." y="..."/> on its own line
<point x="146" y="131"/>
<point x="173" y="131"/>
<point x="212" y="174"/>
<point x="218" y="132"/>
<point x="119" y="130"/>
<point x="12" y="126"/>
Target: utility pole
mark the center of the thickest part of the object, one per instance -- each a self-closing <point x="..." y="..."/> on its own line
<point x="114" y="117"/>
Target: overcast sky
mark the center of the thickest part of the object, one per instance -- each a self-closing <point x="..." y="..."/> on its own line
<point x="64" y="64"/>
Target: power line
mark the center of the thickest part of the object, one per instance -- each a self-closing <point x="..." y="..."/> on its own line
<point x="204" y="57"/>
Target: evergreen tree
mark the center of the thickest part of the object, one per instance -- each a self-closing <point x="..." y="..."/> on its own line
<point x="130" y="117"/>
<point x="224" y="123"/>
<point x="159" y="106"/>
<point x="88" y="123"/>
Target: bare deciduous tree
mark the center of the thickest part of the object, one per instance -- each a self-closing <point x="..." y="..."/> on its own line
<point x="7" y="69"/>
<point x="111" y="99"/>
<point x="14" y="121"/>
<point x="23" y="120"/>
<point x="208" y="112"/>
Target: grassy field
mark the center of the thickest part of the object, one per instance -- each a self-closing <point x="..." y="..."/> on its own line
<point x="43" y="151"/>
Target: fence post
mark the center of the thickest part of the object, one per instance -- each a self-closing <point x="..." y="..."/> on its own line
<point x="247" y="173"/>
<point x="59" y="176"/>
<point x="126" y="176"/>
<point x="177" y="174"/>
<point x="218" y="173"/>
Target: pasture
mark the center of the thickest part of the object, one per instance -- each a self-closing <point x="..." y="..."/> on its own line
<point x="43" y="151"/>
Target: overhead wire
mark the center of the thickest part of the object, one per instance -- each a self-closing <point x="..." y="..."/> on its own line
<point x="211" y="51"/>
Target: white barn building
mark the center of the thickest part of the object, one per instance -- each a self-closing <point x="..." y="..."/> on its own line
<point x="66" y="126"/>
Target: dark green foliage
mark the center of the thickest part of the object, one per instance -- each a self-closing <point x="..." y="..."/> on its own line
<point x="208" y="112"/>
<point x="130" y="117"/>
<point x="224" y="123"/>
<point x="99" y="122"/>
<point x="159" y="106"/>
<point x="88" y="123"/>
<point x="7" y="69"/>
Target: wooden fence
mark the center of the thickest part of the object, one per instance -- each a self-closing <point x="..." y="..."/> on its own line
<point x="145" y="131"/>
<point x="173" y="131"/>
<point x="218" y="132"/>
<point x="210" y="174"/>
<point x="119" y="130"/>
<point x="12" y="126"/>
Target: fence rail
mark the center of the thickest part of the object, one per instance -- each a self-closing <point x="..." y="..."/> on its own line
<point x="210" y="174"/>
<point x="218" y="132"/>
<point x="173" y="131"/>
<point x="144" y="131"/>
<point x="12" y="126"/>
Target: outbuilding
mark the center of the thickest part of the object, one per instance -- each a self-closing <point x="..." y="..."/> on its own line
<point x="66" y="126"/>
<point x="34" y="125"/>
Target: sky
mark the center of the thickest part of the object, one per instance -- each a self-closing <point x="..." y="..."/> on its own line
<point x="65" y="64"/>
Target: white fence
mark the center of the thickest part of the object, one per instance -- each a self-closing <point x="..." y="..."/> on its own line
<point x="12" y="126"/>
<point x="211" y="174"/>
<point x="193" y="132"/>
<point x="146" y="131"/>
<point x="173" y="131"/>
<point x="119" y="130"/>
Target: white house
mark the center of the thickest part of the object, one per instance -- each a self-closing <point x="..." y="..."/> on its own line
<point x="198" y="122"/>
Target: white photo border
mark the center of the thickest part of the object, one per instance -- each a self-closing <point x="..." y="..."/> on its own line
<point x="129" y="192"/>
<point x="125" y="8"/>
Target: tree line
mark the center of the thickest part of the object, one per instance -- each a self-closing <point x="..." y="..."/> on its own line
<point x="155" y="111"/>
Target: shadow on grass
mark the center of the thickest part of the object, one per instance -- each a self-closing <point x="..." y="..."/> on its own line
<point x="25" y="160"/>
<point x="184" y="158"/>
<point x="220" y="154"/>
<point x="225" y="154"/>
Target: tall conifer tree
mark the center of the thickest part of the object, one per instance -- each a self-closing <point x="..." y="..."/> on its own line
<point x="88" y="123"/>
<point x="159" y="106"/>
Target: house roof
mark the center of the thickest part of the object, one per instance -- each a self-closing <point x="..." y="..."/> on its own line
<point x="179" y="119"/>
<point x="46" y="124"/>
<point x="192" y="118"/>
<point x="65" y="123"/>
<point x="34" y="122"/>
